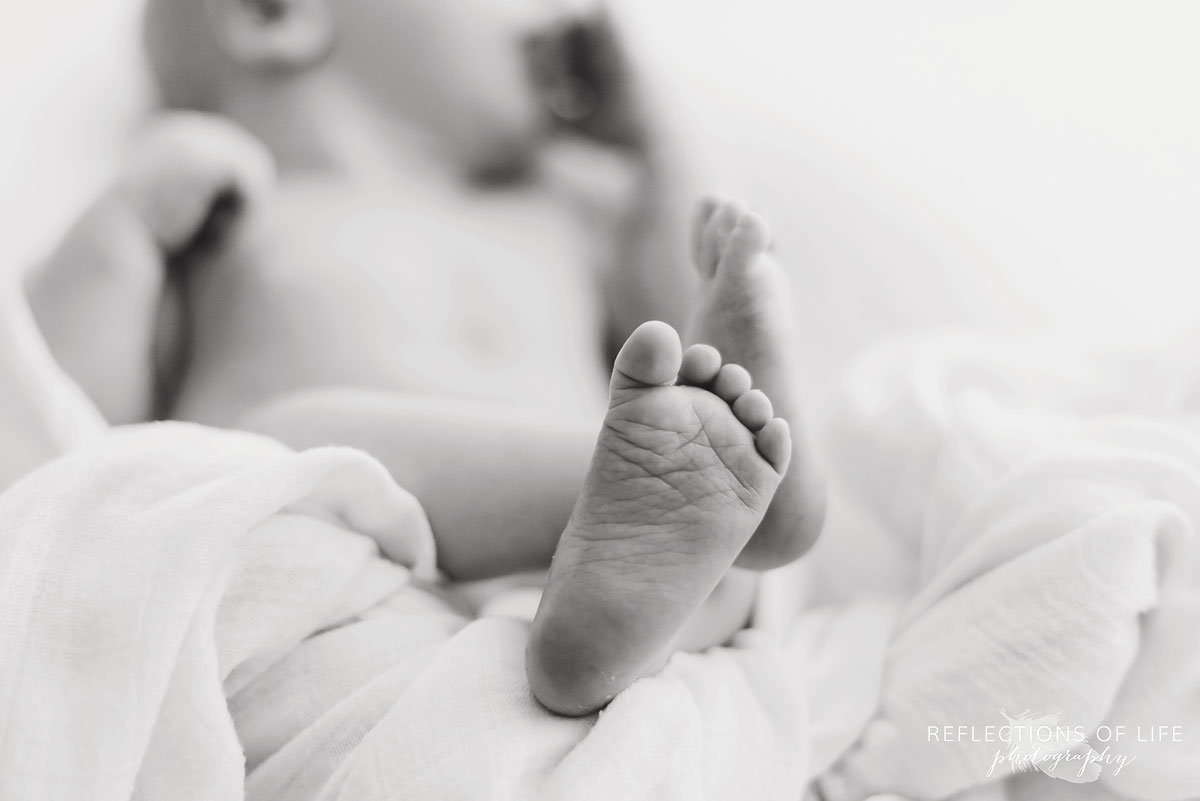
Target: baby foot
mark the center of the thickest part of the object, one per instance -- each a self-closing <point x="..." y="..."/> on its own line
<point x="684" y="469"/>
<point x="744" y="312"/>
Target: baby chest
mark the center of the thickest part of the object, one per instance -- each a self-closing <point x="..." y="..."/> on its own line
<point x="351" y="288"/>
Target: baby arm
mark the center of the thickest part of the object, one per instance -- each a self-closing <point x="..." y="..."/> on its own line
<point x="104" y="298"/>
<point x="96" y="301"/>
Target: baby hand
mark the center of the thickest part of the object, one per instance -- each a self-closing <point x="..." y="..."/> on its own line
<point x="193" y="176"/>
<point x="589" y="81"/>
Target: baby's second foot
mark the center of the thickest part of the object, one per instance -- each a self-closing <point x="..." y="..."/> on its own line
<point x="684" y="469"/>
<point x="745" y="313"/>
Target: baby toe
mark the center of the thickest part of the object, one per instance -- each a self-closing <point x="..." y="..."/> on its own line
<point x="712" y="240"/>
<point x="700" y="365"/>
<point x="749" y="238"/>
<point x="732" y="382"/>
<point x="753" y="409"/>
<point x="774" y="441"/>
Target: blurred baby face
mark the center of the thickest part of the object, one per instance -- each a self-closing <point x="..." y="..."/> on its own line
<point x="458" y="68"/>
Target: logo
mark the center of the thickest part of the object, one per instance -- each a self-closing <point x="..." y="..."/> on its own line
<point x="1041" y="742"/>
<point x="1029" y="741"/>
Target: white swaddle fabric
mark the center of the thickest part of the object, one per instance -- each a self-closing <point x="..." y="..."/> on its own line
<point x="139" y="573"/>
<point x="1056" y="559"/>
<point x="191" y="613"/>
<point x="186" y="614"/>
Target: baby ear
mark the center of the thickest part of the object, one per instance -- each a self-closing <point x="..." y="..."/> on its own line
<point x="273" y="34"/>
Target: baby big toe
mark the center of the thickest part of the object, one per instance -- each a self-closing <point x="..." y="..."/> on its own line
<point x="746" y="241"/>
<point x="712" y="238"/>
<point x="651" y="356"/>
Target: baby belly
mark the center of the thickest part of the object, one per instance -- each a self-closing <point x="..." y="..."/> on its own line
<point x="296" y="309"/>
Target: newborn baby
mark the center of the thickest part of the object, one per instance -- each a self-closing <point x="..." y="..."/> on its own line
<point x="430" y="279"/>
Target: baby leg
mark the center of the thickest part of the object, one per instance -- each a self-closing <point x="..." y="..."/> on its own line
<point x="498" y="486"/>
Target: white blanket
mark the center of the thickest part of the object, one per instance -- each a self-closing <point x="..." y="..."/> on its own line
<point x="174" y="597"/>
<point x="1047" y="504"/>
<point x="188" y="613"/>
